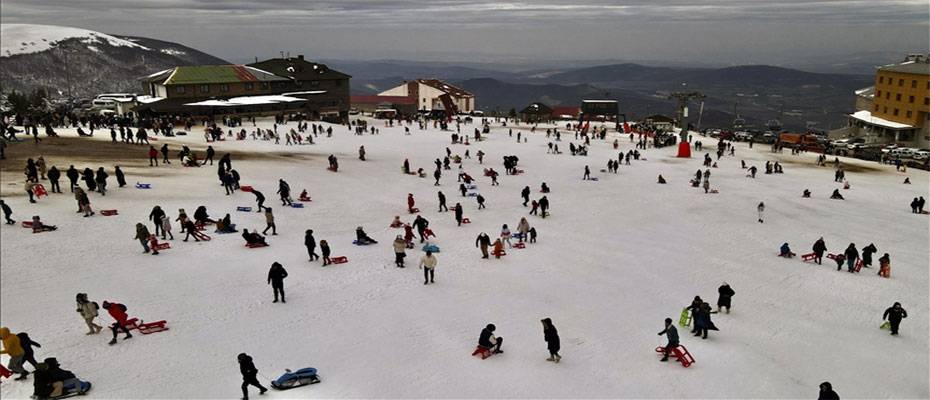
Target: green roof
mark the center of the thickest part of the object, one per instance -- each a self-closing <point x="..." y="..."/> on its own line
<point x="206" y="74"/>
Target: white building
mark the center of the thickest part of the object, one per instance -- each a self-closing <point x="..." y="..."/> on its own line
<point x="427" y="93"/>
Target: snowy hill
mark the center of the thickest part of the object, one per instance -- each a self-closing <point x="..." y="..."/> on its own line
<point x="37" y="56"/>
<point x="614" y="258"/>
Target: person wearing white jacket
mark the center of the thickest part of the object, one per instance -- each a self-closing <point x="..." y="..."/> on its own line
<point x="428" y="265"/>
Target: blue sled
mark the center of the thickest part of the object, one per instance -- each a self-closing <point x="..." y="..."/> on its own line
<point x="431" y="248"/>
<point x="301" y="377"/>
<point x="473" y="194"/>
<point x="297" y="205"/>
<point x="243" y="208"/>
<point x="471" y="186"/>
<point x="356" y="242"/>
<point x="143" y="186"/>
<point x="71" y="389"/>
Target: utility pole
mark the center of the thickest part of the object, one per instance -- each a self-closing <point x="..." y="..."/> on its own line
<point x="683" y="98"/>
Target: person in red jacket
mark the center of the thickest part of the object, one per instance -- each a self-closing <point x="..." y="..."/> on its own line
<point x="153" y="156"/>
<point x="118" y="312"/>
<point x="410" y="202"/>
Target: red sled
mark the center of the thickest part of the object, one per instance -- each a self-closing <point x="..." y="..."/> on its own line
<point x="808" y="257"/>
<point x="5" y="372"/>
<point x="519" y="245"/>
<point x="413" y="210"/>
<point x="245" y="188"/>
<point x="428" y="233"/>
<point x="153" y="243"/>
<point x="858" y="265"/>
<point x="108" y="213"/>
<point x="39" y="190"/>
<point x="152" y="327"/>
<point x="338" y="260"/>
<point x="466" y="221"/>
<point x="499" y="254"/>
<point x="482" y="352"/>
<point x="304" y="199"/>
<point x="331" y="169"/>
<point x="256" y="245"/>
<point x="201" y="236"/>
<point x="680" y="353"/>
<point x="27" y="224"/>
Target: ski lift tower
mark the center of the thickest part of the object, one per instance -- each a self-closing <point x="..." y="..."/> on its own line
<point x="684" y="149"/>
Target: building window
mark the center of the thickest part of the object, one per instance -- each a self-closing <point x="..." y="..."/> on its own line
<point x="884" y="110"/>
<point x="314" y="83"/>
<point x="895" y="112"/>
<point x="887" y="95"/>
<point x="910" y="113"/>
<point x="927" y="101"/>
<point x="910" y="99"/>
<point x="204" y="88"/>
<point x="249" y="86"/>
<point x="897" y="97"/>
<point x="879" y="93"/>
<point x="265" y="85"/>
<point x="179" y="89"/>
<point x="224" y="87"/>
<point x="881" y="79"/>
<point x="876" y="107"/>
<point x="914" y="84"/>
<point x="900" y="82"/>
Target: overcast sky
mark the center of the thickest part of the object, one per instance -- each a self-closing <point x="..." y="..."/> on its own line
<point x="742" y="31"/>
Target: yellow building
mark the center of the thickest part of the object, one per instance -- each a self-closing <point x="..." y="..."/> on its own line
<point x="900" y="105"/>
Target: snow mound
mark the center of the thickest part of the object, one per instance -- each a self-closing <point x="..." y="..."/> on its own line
<point x="30" y="38"/>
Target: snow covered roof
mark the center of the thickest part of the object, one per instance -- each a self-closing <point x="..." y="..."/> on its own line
<point x="246" y="101"/>
<point x="30" y="38"/>
<point x="207" y="74"/>
<point x="866" y="116"/>
<point x="866" y="92"/>
<point x="908" y="67"/>
<point x="445" y="87"/>
<point x="146" y="99"/>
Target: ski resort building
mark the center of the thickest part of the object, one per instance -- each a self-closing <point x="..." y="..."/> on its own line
<point x="429" y="92"/>
<point x="280" y="85"/>
<point x="897" y="109"/>
<point x="601" y="110"/>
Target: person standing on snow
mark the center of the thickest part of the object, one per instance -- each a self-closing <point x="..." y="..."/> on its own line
<point x="894" y="315"/>
<point x="551" y="335"/>
<point x="523" y="228"/>
<point x="142" y="233"/>
<point x="7" y="212"/>
<point x="428" y="265"/>
<point x="587" y="173"/>
<point x="155" y="217"/>
<point x="867" y="252"/>
<point x="28" y="353"/>
<point x="543" y="206"/>
<point x="88" y="311"/>
<point x="118" y="312"/>
<point x="249" y="376"/>
<point x="259" y="199"/>
<point x="725" y="295"/>
<point x="399" y="246"/>
<point x="442" y="202"/>
<point x="671" y="333"/>
<point x="458" y="213"/>
<point x="310" y="242"/>
<point x="525" y="194"/>
<point x="819" y="248"/>
<point x="269" y="222"/>
<point x="120" y="177"/>
<point x="483" y="241"/>
<point x="276" y="277"/>
<point x="851" y="256"/>
<point x="760" y="208"/>
<point x="285" y="191"/>
<point x="702" y="320"/>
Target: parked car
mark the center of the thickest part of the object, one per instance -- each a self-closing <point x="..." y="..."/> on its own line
<point x="840" y="142"/>
<point x="889" y="148"/>
<point x="921" y="154"/>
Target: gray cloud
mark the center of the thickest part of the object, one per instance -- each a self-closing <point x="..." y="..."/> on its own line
<point x="709" y="29"/>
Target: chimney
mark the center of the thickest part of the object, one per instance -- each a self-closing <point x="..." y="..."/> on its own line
<point x="300" y="57"/>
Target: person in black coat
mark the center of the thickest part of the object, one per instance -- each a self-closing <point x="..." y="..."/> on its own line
<point x="894" y="315"/>
<point x="672" y="334"/>
<point x="525" y="194"/>
<point x="89" y="179"/>
<point x="726" y="294"/>
<point x="155" y="216"/>
<point x="819" y="248"/>
<point x="310" y="242"/>
<point x="551" y="335"/>
<point x="285" y="191"/>
<point x="210" y="154"/>
<point x="442" y="202"/>
<point x="276" y="277"/>
<point x="702" y="321"/>
<point x="120" y="178"/>
<point x="53" y="176"/>
<point x="7" y="212"/>
<point x="867" y="252"/>
<point x="260" y="199"/>
<point x="489" y="341"/>
<point x="827" y="393"/>
<point x="851" y="256"/>
<point x="249" y="376"/>
<point x="458" y="213"/>
<point x="101" y="180"/>
<point x="73" y="176"/>
<point x="28" y="353"/>
<point x="543" y="206"/>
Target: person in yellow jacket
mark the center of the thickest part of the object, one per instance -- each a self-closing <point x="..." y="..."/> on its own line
<point x="12" y="348"/>
<point x="428" y="265"/>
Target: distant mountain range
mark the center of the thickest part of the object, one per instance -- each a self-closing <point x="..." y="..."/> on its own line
<point x="86" y="63"/>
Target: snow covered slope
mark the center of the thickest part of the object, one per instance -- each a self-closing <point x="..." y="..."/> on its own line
<point x="83" y="63"/>
<point x="616" y="257"/>
<point x="30" y="38"/>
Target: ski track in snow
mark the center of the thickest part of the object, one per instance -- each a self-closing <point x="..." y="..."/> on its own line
<point x="616" y="257"/>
